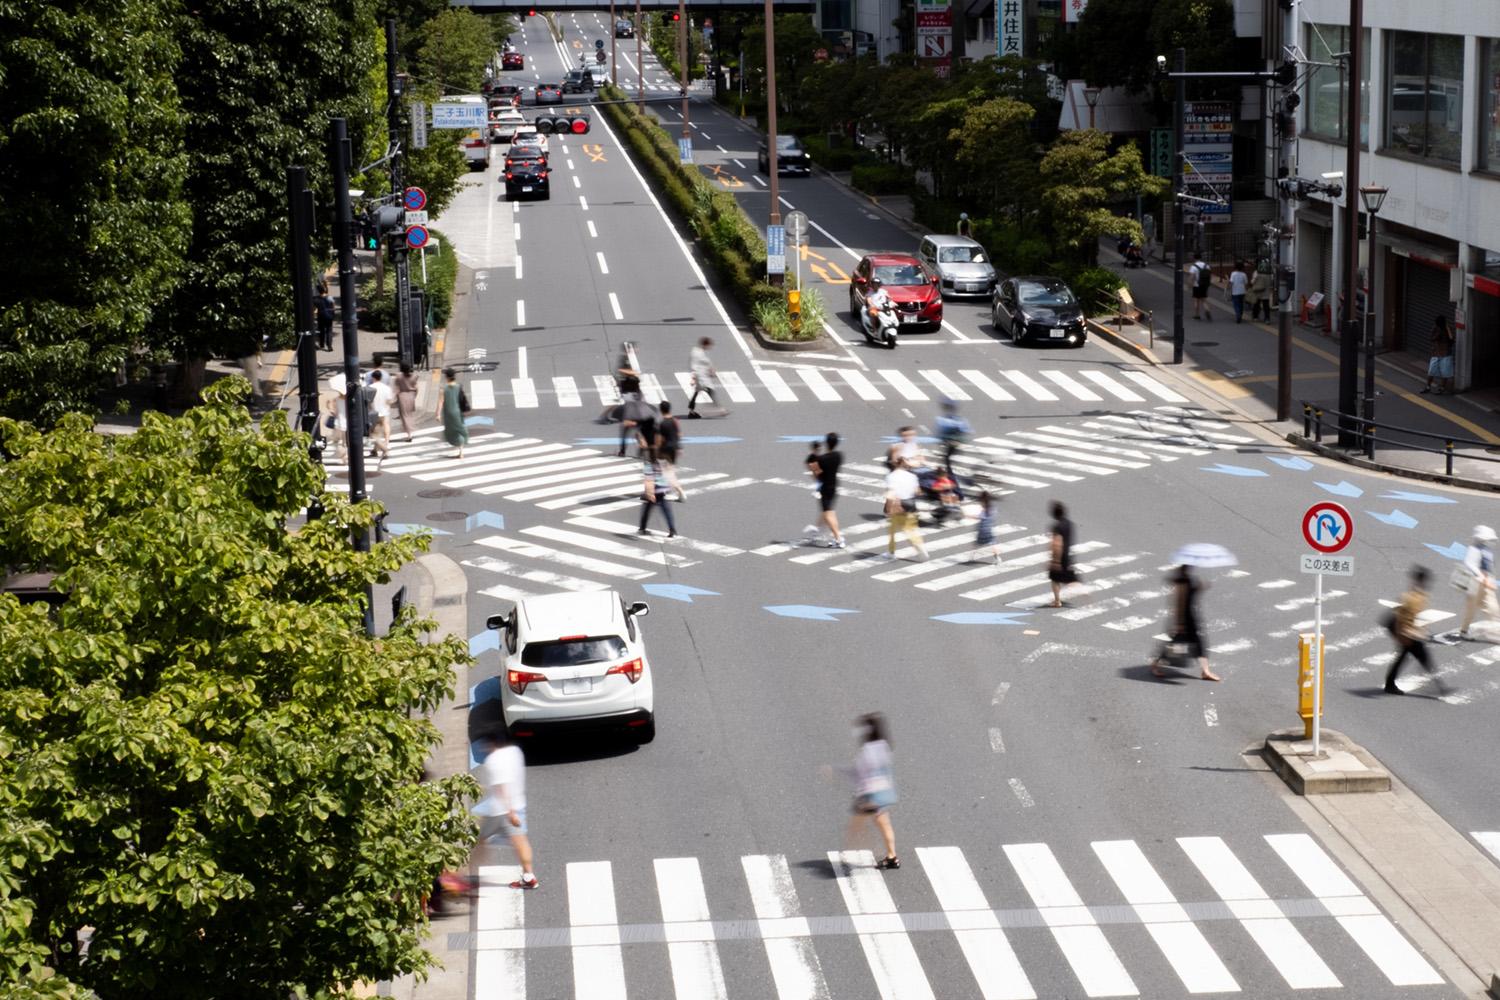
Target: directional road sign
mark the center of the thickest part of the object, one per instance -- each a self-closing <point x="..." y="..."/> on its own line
<point x="1327" y="527"/>
<point x="455" y="115"/>
<point x="776" y="250"/>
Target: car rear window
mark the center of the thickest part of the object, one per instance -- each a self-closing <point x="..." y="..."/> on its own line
<point x="900" y="274"/>
<point x="573" y="652"/>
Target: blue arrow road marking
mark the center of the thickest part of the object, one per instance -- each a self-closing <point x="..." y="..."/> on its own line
<point x="1455" y="551"/>
<point x="479" y="421"/>
<point x="800" y="438"/>
<point x="1397" y="518"/>
<point x="1406" y="496"/>
<point x="484" y="519"/>
<point x="983" y="617"/>
<point x="1235" y="470"/>
<point x="407" y="529"/>
<point x="677" y="591"/>
<point x="811" y="612"/>
<point x="921" y="439"/>
<point x="1343" y="488"/>
<point x="1293" y="462"/>
<point x="484" y="642"/>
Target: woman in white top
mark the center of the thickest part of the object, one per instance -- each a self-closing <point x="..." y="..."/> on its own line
<point x="901" y="488"/>
<point x="1239" y="283"/>
<point x="874" y="786"/>
<point x="1480" y="562"/>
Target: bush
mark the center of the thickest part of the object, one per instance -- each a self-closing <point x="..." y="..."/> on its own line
<point x="1093" y="285"/>
<point x="770" y="313"/>
<point x="378" y="312"/>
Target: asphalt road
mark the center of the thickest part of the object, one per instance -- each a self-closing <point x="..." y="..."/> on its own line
<point x="1087" y="822"/>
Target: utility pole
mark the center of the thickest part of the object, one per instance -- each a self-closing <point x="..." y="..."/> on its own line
<point x="774" y="168"/>
<point x="614" y="77"/>
<point x="640" y="66"/>
<point x="682" y="59"/>
<point x="1286" y="115"/>
<point x="339" y="159"/>
<point x="1349" y="331"/>
<point x="300" y="212"/>
<point x="405" y="332"/>
<point x="1179" y="333"/>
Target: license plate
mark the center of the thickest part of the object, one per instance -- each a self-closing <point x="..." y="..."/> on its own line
<point x="1058" y="331"/>
<point x="581" y="685"/>
<point x="528" y="188"/>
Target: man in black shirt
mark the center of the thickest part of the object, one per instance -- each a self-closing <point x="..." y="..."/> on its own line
<point x="826" y="468"/>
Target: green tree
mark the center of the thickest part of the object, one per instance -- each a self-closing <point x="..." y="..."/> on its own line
<point x="91" y="173"/>
<point x="203" y="758"/>
<point x="994" y="148"/>
<point x="1080" y="181"/>
<point x="797" y="39"/>
<point x="454" y="48"/>
<point x="1117" y="41"/>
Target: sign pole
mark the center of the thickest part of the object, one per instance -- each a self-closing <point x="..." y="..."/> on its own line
<point x="1317" y="669"/>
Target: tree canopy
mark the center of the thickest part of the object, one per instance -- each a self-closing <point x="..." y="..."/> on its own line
<point x="1117" y="41"/>
<point x="207" y="770"/>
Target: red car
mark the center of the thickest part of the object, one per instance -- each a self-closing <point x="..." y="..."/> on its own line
<point x="512" y="60"/>
<point x="911" y="284"/>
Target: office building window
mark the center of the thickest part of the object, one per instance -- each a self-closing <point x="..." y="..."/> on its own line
<point x="1424" y="95"/>
<point x="1489" y="103"/>
<point x="1328" y="90"/>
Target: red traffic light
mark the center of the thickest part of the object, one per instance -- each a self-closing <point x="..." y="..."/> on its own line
<point x="531" y="12"/>
<point x="562" y="124"/>
<point x="676" y="16"/>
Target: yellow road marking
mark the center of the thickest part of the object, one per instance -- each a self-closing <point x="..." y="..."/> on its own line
<point x="1220" y="384"/>
<point x="595" y="153"/>
<point x="728" y="180"/>
<point x="824" y="266"/>
<point x="1295" y="376"/>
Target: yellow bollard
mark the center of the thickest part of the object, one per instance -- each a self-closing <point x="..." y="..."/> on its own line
<point x="1305" y="681"/>
<point x="794" y="308"/>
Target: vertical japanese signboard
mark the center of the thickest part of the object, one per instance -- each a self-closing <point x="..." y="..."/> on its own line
<point x="1010" y="28"/>
<point x="934" y="23"/>
<point x="1208" y="152"/>
<point x="1073" y="10"/>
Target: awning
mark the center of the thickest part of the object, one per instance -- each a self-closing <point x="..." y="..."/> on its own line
<point x="1430" y="254"/>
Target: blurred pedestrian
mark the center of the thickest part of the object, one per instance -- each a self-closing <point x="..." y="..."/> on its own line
<point x="655" y="495"/>
<point x="1440" y="363"/>
<point x="907" y="448"/>
<point x="325" y="309"/>
<point x="953" y="431"/>
<point x="1202" y="277"/>
<point x="1239" y="285"/>
<point x="337" y="422"/>
<point x="405" y="385"/>
<point x="1479" y="564"/>
<point x="502" y="776"/>
<point x="901" y="486"/>
<point x="825" y="470"/>
<point x="705" y="379"/>
<point x="965" y="227"/>
<point x="455" y="405"/>
<point x="668" y="444"/>
<point x="874" y="786"/>
<point x="1060" y="566"/>
<point x="1260" y="293"/>
<point x="1186" y="633"/>
<point x="984" y="532"/>
<point x="381" y="399"/>
<point x="1411" y="638"/>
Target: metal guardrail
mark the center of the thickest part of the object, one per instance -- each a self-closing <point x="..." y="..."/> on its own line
<point x="1117" y="307"/>
<point x="1365" y="431"/>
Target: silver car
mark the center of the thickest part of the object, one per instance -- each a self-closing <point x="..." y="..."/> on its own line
<point x="962" y="264"/>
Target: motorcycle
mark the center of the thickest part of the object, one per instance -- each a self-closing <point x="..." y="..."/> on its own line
<point x="889" y="325"/>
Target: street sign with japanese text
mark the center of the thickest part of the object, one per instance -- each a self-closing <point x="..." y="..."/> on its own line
<point x="1073" y="10"/>
<point x="468" y="114"/>
<point x="418" y="125"/>
<point x="1010" y="28"/>
<point x="776" y="250"/>
<point x="1161" y="152"/>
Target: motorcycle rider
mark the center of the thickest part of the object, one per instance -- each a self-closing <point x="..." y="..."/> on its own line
<point x="875" y="301"/>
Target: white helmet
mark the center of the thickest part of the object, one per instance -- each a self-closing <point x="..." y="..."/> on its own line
<point x="1484" y="533"/>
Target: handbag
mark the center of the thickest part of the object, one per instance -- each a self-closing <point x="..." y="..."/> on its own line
<point x="892" y="506"/>
<point x="1462" y="578"/>
<point x="909" y="505"/>
<point x="463" y="402"/>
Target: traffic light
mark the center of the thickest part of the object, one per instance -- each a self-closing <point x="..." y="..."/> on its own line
<point x="531" y="12"/>
<point x="676" y="17"/>
<point x="1286" y="74"/>
<point x="562" y="124"/>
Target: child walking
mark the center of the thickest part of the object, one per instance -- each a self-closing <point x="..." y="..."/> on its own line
<point x="984" y="534"/>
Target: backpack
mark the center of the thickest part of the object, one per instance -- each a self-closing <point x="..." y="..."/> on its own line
<point x="325" y="309"/>
<point x="1205" y="277"/>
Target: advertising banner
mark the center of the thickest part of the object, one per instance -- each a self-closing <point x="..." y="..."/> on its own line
<point x="1208" y="151"/>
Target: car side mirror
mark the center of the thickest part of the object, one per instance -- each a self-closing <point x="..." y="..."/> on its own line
<point x="933" y="280"/>
<point x="496" y="622"/>
<point x="640" y="609"/>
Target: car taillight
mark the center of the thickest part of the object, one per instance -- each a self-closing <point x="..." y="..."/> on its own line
<point x="631" y="670"/>
<point x="518" y="679"/>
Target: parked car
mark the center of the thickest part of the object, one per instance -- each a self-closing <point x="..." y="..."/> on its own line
<point x="912" y="286"/>
<point x="1033" y="309"/>
<point x="962" y="264"/>
<point x="504" y="124"/>
<point x="578" y="81"/>
<point x="528" y="178"/>
<point x="512" y="60"/>
<point x="791" y="158"/>
<point x="549" y="93"/>
<point x="623" y="28"/>
<point x="575" y="660"/>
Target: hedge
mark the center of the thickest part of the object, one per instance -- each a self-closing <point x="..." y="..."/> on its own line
<point x="378" y="312"/>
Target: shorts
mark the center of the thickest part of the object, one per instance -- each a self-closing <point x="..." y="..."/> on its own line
<point x="496" y="827"/>
<point x="874" y="803"/>
<point x="1200" y="293"/>
<point x="1440" y="367"/>
<point x="1066" y="575"/>
<point x="827" y="498"/>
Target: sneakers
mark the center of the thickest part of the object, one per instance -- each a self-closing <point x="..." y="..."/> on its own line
<point x="525" y="883"/>
<point x="694" y="415"/>
<point x="838" y="543"/>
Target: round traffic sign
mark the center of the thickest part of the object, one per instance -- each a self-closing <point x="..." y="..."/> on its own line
<point x="414" y="198"/>
<point x="1327" y="527"/>
<point x="416" y="237"/>
<point x="598" y="43"/>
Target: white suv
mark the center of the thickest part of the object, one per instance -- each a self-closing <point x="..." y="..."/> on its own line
<point x="575" y="660"/>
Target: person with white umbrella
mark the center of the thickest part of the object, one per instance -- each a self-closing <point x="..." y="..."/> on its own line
<point x="1187" y="634"/>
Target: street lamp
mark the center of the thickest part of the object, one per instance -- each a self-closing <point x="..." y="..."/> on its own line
<point x="1373" y="196"/>
<point x="1091" y="94"/>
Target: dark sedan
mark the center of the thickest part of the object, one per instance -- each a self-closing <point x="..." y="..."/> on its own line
<point x="527" y="179"/>
<point x="791" y="158"/>
<point x="549" y="93"/>
<point x="1038" y="310"/>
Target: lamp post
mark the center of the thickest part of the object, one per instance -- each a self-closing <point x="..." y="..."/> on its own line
<point x="1091" y="95"/>
<point x="1373" y="195"/>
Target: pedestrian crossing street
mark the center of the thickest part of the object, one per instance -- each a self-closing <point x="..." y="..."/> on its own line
<point x="792" y="385"/>
<point x="1161" y="918"/>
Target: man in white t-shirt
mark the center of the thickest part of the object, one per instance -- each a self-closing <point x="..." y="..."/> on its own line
<point x="1239" y="283"/>
<point x="380" y="419"/>
<point x="502" y="812"/>
<point x="705" y="379"/>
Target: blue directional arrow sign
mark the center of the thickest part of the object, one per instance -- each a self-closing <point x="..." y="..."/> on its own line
<point x="1406" y="496"/>
<point x="811" y="612"/>
<point x="1235" y="470"/>
<point x="484" y="642"/>
<point x="482" y="422"/>
<point x="1455" y="551"/>
<point x="407" y="529"/>
<point x="1396" y="518"/>
<point x="677" y="591"/>
<point x="1343" y="488"/>
<point x="1291" y="462"/>
<point x="484" y="519"/>
<point x="983" y="617"/>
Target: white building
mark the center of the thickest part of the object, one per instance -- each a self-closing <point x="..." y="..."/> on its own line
<point x="1433" y="71"/>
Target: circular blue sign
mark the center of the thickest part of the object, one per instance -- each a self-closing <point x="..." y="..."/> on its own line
<point x="416" y="237"/>
<point x="415" y="199"/>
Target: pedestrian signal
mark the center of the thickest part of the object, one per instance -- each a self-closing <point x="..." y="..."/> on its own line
<point x="562" y="124"/>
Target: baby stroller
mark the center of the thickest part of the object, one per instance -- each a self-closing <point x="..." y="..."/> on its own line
<point x="1133" y="256"/>
<point x="944" y="492"/>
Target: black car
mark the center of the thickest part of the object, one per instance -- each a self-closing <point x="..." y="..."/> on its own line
<point x="791" y="158"/>
<point x="623" y="28"/>
<point x="524" y="156"/>
<point x="527" y="178"/>
<point x="578" y="81"/>
<point x="1035" y="309"/>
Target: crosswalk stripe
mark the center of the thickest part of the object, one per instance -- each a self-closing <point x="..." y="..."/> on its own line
<point x="883" y="937"/>
<point x="1490" y="841"/>
<point x="500" y="920"/>
<point x="989" y="954"/>
<point x="986" y="385"/>
<point x="509" y="594"/>
<point x="607" y="485"/>
<point x="696" y="971"/>
<point x="944" y="385"/>
<point x="819" y="385"/>
<point x="478" y="468"/>
<point x="609" y="392"/>
<point x="1180" y="940"/>
<point x="1073" y="388"/>
<point x="551" y="469"/>
<point x="1053" y="434"/>
<point x="794" y="961"/>
<point x="735" y="386"/>
<point x="1011" y="586"/>
<point x="598" y="962"/>
<point x="905" y="386"/>
<point x="625" y="530"/>
<point x="1096" y="608"/>
<point x="1154" y="387"/>
<point x="862" y="386"/>
<point x="1017" y="451"/>
<point x="685" y="382"/>
<point x="567" y="391"/>
<point x="776" y="386"/>
<point x="651" y="390"/>
<point x="523" y="390"/>
<point x="560" y="580"/>
<point x="1006" y="564"/>
<point x="1401" y="963"/>
<point x="576" y="560"/>
<point x="1094" y="962"/>
<point x="1112" y="387"/>
<point x="1030" y="386"/>
<point x="1281" y="943"/>
<point x="481" y="394"/>
<point x="614" y="548"/>
<point x="1129" y="432"/>
<point x="1072" y="449"/>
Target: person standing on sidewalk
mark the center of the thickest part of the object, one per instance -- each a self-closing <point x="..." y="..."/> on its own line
<point x="1060" y="567"/>
<point x="502" y="775"/>
<point x="705" y="379"/>
<point x="901" y="486"/>
<point x="1202" y="277"/>
<point x="325" y="308"/>
<point x="1411" y="639"/>
<point x="1239" y="285"/>
<point x="1440" y="364"/>
<point x="825" y="468"/>
<point x="406" y="398"/>
<point x="455" y="404"/>
<point x="1259" y="294"/>
<point x="1479" y="561"/>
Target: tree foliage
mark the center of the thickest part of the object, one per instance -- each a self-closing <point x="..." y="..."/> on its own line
<point x="1080" y="179"/>
<point x="91" y="176"/>
<point x="206" y="767"/>
<point x="1117" y="41"/>
<point x="454" y="48"/>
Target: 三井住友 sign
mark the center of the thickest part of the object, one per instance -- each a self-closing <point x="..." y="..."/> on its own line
<point x="1010" y="28"/>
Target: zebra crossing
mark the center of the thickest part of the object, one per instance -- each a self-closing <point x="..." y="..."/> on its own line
<point x="1224" y="917"/>
<point x="792" y="385"/>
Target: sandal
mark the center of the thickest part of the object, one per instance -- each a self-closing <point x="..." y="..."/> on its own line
<point x="889" y="863"/>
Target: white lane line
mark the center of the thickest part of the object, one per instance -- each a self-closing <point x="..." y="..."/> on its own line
<point x="696" y="972"/>
<point x="735" y="386"/>
<point x="758" y="180"/>
<point x="608" y="390"/>
<point x="997" y="740"/>
<point x="1030" y="386"/>
<point x="898" y="381"/>
<point x="1112" y="387"/>
<point x="567" y="391"/>
<point x="524" y="391"/>
<point x="518" y="267"/>
<point x="520" y="312"/>
<point x="582" y="201"/>
<point x="853" y="255"/>
<point x="776" y="385"/>
<point x="1071" y="387"/>
<point x="1211" y="713"/>
<point x="500" y="920"/>
<point x="481" y="394"/>
<point x="521" y="362"/>
<point x="598" y="963"/>
<point x="594" y="543"/>
<point x="721" y="149"/>
<point x="944" y="384"/>
<point x="861" y="385"/>
<point x="651" y="390"/>
<point x="1021" y="794"/>
<point x="1262" y="919"/>
<point x="575" y="560"/>
<point x="975" y="925"/>
<point x="738" y="164"/>
<point x="1094" y="962"/>
<point x="958" y="335"/>
<point x="1179" y="939"/>
<point x="820" y="385"/>
<point x="603" y="267"/>
<point x="576" y="182"/>
<point x="602" y="485"/>
<point x="788" y="939"/>
<point x="985" y="384"/>
<point x="706" y="136"/>
<point x="593" y="233"/>
<point x="570" y="164"/>
<point x="882" y="935"/>
<point x="1402" y="964"/>
<point x="1155" y="388"/>
<point x="614" y="305"/>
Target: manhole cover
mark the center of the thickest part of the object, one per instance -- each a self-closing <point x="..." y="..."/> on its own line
<point x="440" y="493"/>
<point x="1205" y="343"/>
<point x="447" y="515"/>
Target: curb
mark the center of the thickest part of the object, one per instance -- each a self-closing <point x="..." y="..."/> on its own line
<point x="1330" y="451"/>
<point x="1101" y="330"/>
<point x="818" y="343"/>
<point x="1365" y="774"/>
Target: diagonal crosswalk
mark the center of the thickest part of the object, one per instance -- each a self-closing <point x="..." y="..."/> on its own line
<point x="1029" y="919"/>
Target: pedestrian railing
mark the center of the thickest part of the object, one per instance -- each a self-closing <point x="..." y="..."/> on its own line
<point x="1367" y="432"/>
<point x="1118" y="308"/>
